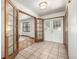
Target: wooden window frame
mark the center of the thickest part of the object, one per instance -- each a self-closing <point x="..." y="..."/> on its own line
<point x="26" y="25"/>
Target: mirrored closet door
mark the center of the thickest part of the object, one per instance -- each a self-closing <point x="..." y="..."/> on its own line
<point x="26" y="30"/>
<point x="11" y="32"/>
<point x="39" y="30"/>
<point x="10" y="29"/>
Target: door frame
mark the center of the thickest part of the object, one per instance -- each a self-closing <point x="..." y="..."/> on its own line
<point x="20" y="11"/>
<point x="6" y="2"/>
<point x="40" y="40"/>
<point x="51" y="19"/>
<point x="35" y="24"/>
<point x="6" y="30"/>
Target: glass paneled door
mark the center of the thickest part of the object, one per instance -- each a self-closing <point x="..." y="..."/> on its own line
<point x="11" y="31"/>
<point x="54" y="29"/>
<point x="39" y="30"/>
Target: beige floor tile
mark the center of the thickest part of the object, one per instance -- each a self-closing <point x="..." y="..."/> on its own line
<point x="32" y="57"/>
<point x="43" y="56"/>
<point x="19" y="57"/>
<point x="60" y="57"/>
<point x="37" y="53"/>
<point x="25" y="54"/>
<point x="52" y="57"/>
<point x="44" y="50"/>
<point x="54" y="53"/>
<point x="62" y="54"/>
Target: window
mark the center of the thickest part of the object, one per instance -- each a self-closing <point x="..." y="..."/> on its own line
<point x="47" y="24"/>
<point x="26" y="27"/>
<point x="56" y="24"/>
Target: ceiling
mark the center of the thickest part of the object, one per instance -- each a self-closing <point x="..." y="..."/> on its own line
<point x="53" y="6"/>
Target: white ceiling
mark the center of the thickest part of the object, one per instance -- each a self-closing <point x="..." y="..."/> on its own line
<point x="53" y="6"/>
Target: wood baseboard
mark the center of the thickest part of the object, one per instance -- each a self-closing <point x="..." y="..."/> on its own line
<point x="28" y="36"/>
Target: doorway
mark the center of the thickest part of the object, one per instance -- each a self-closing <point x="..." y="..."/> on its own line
<point x="54" y="29"/>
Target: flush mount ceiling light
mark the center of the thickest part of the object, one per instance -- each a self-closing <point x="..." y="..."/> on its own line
<point x="43" y="5"/>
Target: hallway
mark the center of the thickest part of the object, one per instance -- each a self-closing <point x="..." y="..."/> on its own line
<point x="43" y="50"/>
<point x="38" y="29"/>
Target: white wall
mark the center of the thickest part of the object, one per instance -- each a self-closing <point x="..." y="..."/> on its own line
<point x="2" y="29"/>
<point x="32" y="27"/>
<point x="54" y="15"/>
<point x="53" y="35"/>
<point x="72" y="30"/>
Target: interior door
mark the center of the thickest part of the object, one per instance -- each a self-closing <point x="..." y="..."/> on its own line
<point x="39" y="23"/>
<point x="57" y="30"/>
<point x="54" y="30"/>
<point x="10" y="31"/>
<point x="47" y="30"/>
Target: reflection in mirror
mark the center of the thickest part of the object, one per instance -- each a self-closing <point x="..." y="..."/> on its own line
<point x="26" y="30"/>
<point x="10" y="29"/>
<point x="39" y="36"/>
<point x="12" y="34"/>
<point x="26" y="27"/>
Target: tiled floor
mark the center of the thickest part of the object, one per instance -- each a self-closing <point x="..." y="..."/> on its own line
<point x="24" y="42"/>
<point x="43" y="50"/>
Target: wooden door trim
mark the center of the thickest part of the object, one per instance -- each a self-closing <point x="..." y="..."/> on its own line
<point x="5" y="28"/>
<point x="35" y="28"/>
<point x="65" y="21"/>
<point x="36" y="40"/>
<point x="43" y="28"/>
<point x="17" y="39"/>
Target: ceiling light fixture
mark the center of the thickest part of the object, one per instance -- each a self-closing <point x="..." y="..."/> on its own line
<point x="43" y="5"/>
